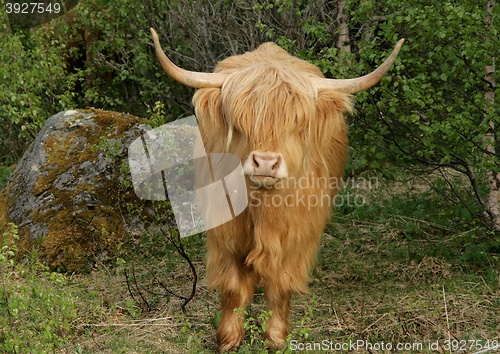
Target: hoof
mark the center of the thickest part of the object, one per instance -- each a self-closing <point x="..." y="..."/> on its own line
<point x="227" y="349"/>
<point x="229" y="338"/>
<point x="228" y="346"/>
<point x="276" y="338"/>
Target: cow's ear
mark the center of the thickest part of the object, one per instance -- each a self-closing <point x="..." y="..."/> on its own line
<point x="330" y="101"/>
<point x="207" y="102"/>
<point x="208" y="109"/>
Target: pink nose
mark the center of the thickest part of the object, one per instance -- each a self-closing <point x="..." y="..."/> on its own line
<point x="265" y="163"/>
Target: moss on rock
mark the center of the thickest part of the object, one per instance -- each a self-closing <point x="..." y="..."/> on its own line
<point x="65" y="193"/>
<point x="4" y="213"/>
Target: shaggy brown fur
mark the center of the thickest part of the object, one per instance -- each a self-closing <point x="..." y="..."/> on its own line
<point x="269" y="104"/>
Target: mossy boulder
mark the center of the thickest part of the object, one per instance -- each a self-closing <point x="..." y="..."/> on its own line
<point x="70" y="195"/>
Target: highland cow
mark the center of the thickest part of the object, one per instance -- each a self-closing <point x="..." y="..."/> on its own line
<point x="285" y="121"/>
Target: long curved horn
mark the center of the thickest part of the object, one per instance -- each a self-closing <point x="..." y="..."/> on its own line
<point x="189" y="78"/>
<point x="362" y="83"/>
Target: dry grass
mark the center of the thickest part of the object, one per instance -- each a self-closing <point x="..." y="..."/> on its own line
<point x="384" y="274"/>
<point x="357" y="298"/>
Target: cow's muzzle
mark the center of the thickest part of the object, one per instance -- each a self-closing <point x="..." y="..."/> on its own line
<point x="265" y="168"/>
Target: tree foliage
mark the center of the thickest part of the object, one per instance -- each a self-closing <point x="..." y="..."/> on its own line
<point x="434" y="115"/>
<point x="33" y="85"/>
<point x="428" y="114"/>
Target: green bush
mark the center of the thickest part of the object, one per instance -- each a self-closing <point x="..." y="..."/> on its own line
<point x="36" y="313"/>
<point x="33" y="86"/>
<point x="430" y="114"/>
<point x="4" y="174"/>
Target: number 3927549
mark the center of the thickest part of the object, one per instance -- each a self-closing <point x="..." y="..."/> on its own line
<point x="32" y="8"/>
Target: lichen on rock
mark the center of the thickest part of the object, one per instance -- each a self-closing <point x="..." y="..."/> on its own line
<point x="66" y="194"/>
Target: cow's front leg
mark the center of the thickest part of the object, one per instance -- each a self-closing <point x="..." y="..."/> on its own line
<point x="230" y="331"/>
<point x="235" y="281"/>
<point x="278" y="301"/>
<point x="236" y="286"/>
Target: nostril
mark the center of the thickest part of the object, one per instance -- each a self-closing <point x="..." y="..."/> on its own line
<point x="265" y="164"/>
<point x="277" y="164"/>
<point x="256" y="164"/>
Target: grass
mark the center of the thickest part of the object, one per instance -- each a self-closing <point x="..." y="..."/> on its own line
<point x="405" y="266"/>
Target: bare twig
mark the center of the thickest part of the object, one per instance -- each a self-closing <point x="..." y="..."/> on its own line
<point x="180" y="249"/>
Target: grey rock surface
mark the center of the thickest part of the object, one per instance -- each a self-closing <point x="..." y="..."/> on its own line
<point x="69" y="193"/>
